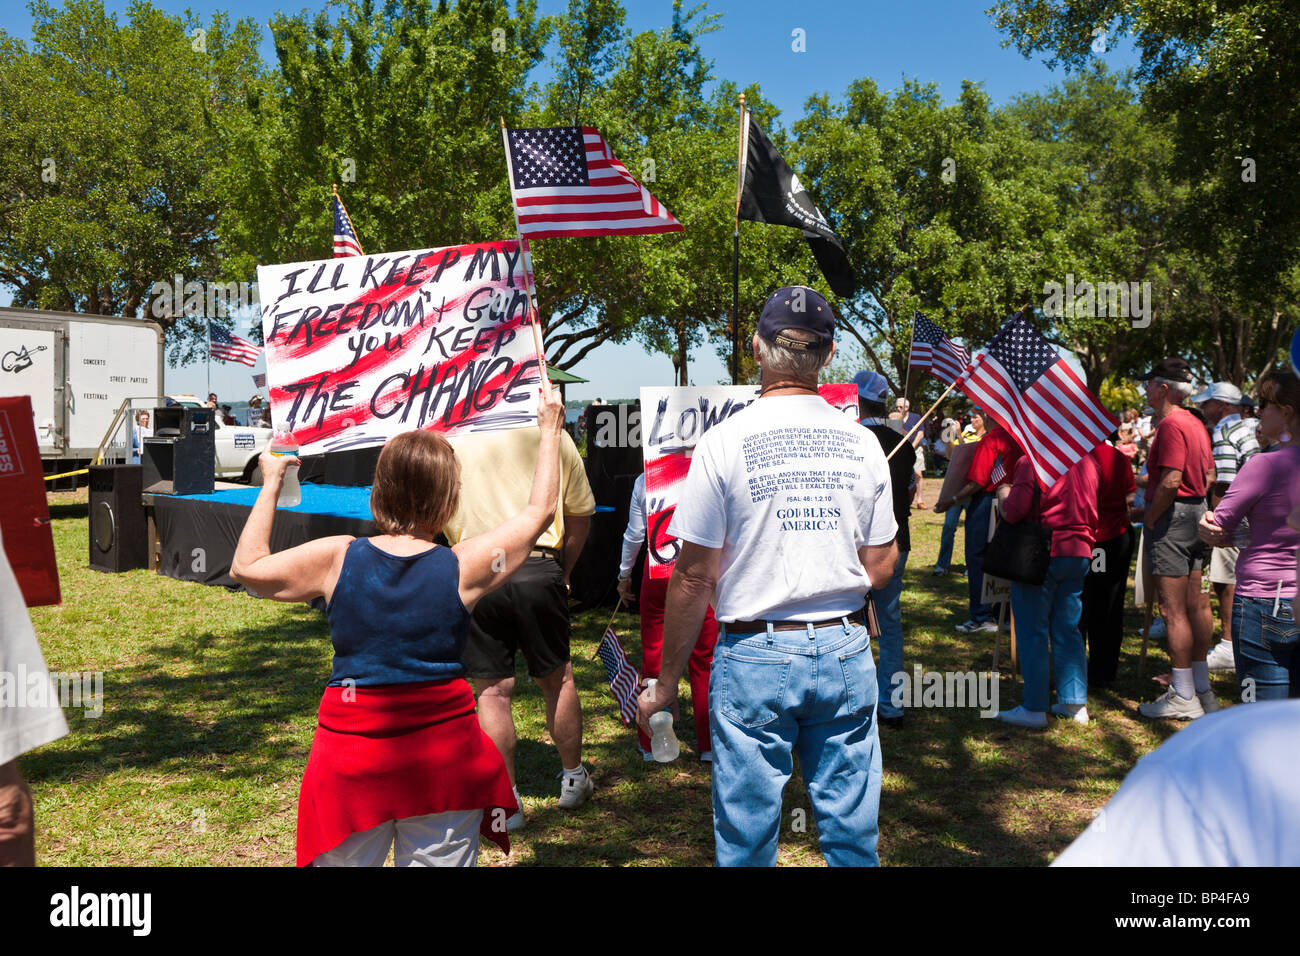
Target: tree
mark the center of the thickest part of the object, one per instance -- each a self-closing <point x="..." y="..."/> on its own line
<point x="109" y="144"/>
<point x="1227" y="74"/>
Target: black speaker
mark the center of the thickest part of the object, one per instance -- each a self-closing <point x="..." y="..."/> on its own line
<point x="119" y="538"/>
<point x="612" y="452"/>
<point x="180" y="458"/>
<point x="354" y="468"/>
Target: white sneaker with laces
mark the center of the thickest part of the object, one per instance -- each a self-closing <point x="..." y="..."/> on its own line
<point x="1169" y="706"/>
<point x="1209" y="703"/>
<point x="1076" y="712"/>
<point x="1019" y="717"/>
<point x="575" y="791"/>
<point x="1222" y="658"/>
<point x="970" y="627"/>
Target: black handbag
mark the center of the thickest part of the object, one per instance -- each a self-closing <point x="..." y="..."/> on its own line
<point x="1020" y="552"/>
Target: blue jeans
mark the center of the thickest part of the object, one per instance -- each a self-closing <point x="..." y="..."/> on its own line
<point x="951" y="518"/>
<point x="1266" y="647"/>
<point x="1049" y="613"/>
<point x="771" y="694"/>
<point x="977" y="542"/>
<point x="889" y="610"/>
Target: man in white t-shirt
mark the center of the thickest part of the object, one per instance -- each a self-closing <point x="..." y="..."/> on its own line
<point x="1223" y="792"/>
<point x="786" y="522"/>
<point x="29" y="717"/>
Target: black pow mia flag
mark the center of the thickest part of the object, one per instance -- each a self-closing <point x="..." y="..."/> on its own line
<point x="772" y="193"/>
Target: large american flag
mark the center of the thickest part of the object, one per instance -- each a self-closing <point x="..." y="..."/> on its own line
<point x="345" y="237"/>
<point x="566" y="182"/>
<point x="229" y="347"/>
<point x="1030" y="390"/>
<point x="934" y="352"/>
<point x="624" y="681"/>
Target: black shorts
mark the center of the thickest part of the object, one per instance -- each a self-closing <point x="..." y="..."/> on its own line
<point x="529" y="613"/>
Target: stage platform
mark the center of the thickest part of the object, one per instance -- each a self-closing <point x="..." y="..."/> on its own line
<point x="194" y="536"/>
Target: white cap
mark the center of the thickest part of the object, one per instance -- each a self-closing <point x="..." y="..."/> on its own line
<point x="1224" y="392"/>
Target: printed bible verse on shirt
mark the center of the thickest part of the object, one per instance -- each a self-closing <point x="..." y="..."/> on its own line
<point x="675" y="418"/>
<point x="362" y="348"/>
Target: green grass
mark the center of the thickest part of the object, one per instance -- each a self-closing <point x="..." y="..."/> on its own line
<point x="210" y="702"/>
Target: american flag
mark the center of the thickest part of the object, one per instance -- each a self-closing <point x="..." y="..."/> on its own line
<point x="1031" y="391"/>
<point x="566" y="182"/>
<point x="999" y="472"/>
<point x="934" y="352"/>
<point x="624" y="681"/>
<point x="345" y="237"/>
<point x="229" y="347"/>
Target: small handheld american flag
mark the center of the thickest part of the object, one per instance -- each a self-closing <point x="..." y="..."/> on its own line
<point x="228" y="347"/>
<point x="934" y="352"/>
<point x="624" y="681"/>
<point x="345" y="237"/>
<point x="565" y="181"/>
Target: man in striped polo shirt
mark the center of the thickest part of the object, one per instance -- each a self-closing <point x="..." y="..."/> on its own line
<point x="1232" y="441"/>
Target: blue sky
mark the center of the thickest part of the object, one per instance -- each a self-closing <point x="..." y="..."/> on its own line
<point x="939" y="41"/>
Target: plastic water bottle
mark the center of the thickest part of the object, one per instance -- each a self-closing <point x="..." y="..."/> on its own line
<point x="663" y="740"/>
<point x="290" y="492"/>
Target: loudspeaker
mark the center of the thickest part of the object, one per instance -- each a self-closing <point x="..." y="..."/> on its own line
<point x="180" y="458"/>
<point x="119" y="538"/>
<point x="354" y="468"/>
<point x="611" y="452"/>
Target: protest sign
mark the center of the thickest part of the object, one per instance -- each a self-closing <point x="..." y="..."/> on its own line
<point x="25" y="519"/>
<point x="361" y="348"/>
<point x="994" y="590"/>
<point x="672" y="421"/>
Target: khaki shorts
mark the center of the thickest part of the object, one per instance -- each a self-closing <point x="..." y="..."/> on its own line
<point x="1223" y="565"/>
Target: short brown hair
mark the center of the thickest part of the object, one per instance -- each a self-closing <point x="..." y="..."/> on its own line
<point x="417" y="484"/>
<point x="1281" y="388"/>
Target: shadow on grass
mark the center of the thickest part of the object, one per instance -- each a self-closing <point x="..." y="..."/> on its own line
<point x="235" y="698"/>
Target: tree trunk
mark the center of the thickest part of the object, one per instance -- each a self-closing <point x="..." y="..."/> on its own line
<point x="681" y="356"/>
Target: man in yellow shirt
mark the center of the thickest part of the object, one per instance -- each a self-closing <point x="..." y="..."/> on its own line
<point x="531" y="612"/>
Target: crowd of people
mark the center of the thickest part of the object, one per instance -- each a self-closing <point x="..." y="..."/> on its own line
<point x="793" y="526"/>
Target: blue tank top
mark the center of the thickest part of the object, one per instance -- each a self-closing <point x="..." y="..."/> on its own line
<point x="397" y="619"/>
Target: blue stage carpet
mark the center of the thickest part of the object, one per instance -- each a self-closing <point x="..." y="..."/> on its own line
<point x="339" y="500"/>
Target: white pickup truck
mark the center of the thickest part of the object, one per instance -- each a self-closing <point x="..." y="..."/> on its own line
<point x="237" y="446"/>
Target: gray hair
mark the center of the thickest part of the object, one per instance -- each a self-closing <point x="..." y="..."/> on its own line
<point x="1180" y="391"/>
<point x="792" y="363"/>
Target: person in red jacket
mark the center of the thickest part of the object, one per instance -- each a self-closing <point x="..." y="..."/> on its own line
<point x="1048" y="614"/>
<point x="1103" y="591"/>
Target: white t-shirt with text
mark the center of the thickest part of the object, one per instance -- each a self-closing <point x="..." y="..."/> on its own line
<point x="789" y="489"/>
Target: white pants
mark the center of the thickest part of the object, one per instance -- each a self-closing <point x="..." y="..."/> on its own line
<point x="438" y="839"/>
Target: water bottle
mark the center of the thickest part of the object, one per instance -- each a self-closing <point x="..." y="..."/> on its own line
<point x="663" y="740"/>
<point x="290" y="492"/>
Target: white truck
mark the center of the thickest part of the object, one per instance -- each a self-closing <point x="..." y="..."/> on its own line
<point x="78" y="369"/>
<point x="237" y="447"/>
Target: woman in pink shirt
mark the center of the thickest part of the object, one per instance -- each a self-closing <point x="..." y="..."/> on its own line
<point x="1049" y="613"/>
<point x="1265" y="492"/>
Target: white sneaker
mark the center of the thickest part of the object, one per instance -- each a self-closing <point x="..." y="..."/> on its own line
<point x="1020" y="717"/>
<point x="1157" y="628"/>
<point x="1209" y="703"/>
<point x="706" y="756"/>
<point x="575" y="791"/>
<point x="1076" y="712"/>
<point x="1221" y="658"/>
<point x="515" y="822"/>
<point x="970" y="627"/>
<point x="1170" y="706"/>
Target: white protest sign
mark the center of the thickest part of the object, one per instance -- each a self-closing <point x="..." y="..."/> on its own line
<point x="359" y="349"/>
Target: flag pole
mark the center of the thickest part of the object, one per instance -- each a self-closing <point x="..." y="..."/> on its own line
<point x="741" y="152"/>
<point x="609" y="625"/>
<point x="907" y="439"/>
<point x="207" y="324"/>
<point x="525" y="260"/>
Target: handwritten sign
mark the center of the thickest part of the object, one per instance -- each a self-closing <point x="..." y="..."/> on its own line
<point x="672" y="421"/>
<point x="362" y="348"/>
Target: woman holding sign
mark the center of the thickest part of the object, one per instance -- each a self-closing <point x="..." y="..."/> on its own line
<point x="654" y="594"/>
<point x="398" y="753"/>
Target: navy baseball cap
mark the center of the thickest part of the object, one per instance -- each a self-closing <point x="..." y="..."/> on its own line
<point x="797" y="307"/>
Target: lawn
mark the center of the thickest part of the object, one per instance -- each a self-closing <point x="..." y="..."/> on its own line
<point x="210" y="700"/>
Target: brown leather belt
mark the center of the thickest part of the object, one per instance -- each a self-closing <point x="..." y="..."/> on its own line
<point x="545" y="553"/>
<point x="760" y="627"/>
